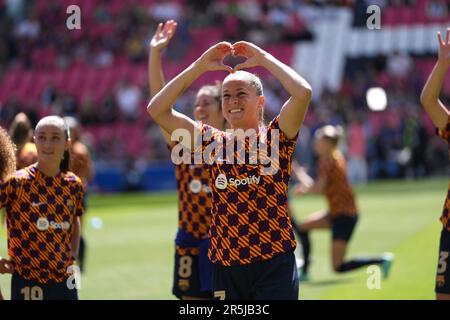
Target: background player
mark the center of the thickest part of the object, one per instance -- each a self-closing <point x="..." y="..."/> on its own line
<point x="193" y="270"/>
<point x="7" y="169"/>
<point x="440" y="117"/>
<point x="43" y="204"/>
<point x="342" y="214"/>
<point x="21" y="132"/>
<point x="81" y="165"/>
<point x="252" y="241"/>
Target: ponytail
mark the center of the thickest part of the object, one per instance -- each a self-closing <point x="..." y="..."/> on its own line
<point x="64" y="165"/>
<point x="65" y="162"/>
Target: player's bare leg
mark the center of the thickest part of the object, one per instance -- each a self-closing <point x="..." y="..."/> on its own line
<point x="318" y="220"/>
<point x="338" y="251"/>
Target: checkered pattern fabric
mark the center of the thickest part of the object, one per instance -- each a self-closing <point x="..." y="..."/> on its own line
<point x="40" y="213"/>
<point x="250" y="222"/>
<point x="445" y="218"/>
<point x="339" y="194"/>
<point x="190" y="251"/>
<point x="194" y="199"/>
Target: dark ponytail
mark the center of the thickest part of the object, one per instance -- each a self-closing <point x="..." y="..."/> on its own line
<point x="65" y="162"/>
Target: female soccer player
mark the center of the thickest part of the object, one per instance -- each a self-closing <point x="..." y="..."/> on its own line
<point x="7" y="169"/>
<point x="81" y="166"/>
<point x="342" y="213"/>
<point x="440" y="117"/>
<point x="43" y="204"/>
<point x="193" y="270"/>
<point x="252" y="241"/>
<point x="21" y="132"/>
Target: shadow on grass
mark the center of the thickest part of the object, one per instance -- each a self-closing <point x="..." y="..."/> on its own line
<point x="328" y="282"/>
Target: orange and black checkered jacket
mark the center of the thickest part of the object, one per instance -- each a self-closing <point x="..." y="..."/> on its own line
<point x="194" y="199"/>
<point x="338" y="192"/>
<point x="250" y="222"/>
<point x="445" y="218"/>
<point x="40" y="213"/>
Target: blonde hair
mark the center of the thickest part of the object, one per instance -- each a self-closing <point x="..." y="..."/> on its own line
<point x="331" y="133"/>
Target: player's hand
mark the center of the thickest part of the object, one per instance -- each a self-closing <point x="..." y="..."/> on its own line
<point x="296" y="166"/>
<point x="444" y="48"/>
<point x="163" y="35"/>
<point x="212" y="59"/>
<point x="6" y="266"/>
<point x="299" y="189"/>
<point x="253" y="53"/>
<point x="302" y="175"/>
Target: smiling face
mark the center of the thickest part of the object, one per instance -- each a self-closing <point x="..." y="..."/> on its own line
<point x="207" y="108"/>
<point x="51" y="142"/>
<point x="241" y="103"/>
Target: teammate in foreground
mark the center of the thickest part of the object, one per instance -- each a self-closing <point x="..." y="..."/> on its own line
<point x="440" y="117"/>
<point x="252" y="240"/>
<point x="43" y="204"/>
<point x="193" y="270"/>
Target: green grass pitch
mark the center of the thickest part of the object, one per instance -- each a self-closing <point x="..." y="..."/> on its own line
<point x="131" y="256"/>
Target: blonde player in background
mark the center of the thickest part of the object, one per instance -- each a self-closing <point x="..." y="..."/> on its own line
<point x="342" y="213"/>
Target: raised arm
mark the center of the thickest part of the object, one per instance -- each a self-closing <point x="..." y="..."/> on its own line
<point x="293" y="111"/>
<point x="430" y="93"/>
<point x="160" y="40"/>
<point x="301" y="174"/>
<point x="160" y="107"/>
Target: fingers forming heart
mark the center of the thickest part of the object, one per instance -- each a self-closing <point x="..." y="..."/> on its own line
<point x="233" y="60"/>
<point x="235" y="57"/>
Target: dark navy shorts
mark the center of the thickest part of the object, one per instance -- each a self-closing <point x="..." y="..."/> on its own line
<point x="443" y="269"/>
<point x="193" y="271"/>
<point x="342" y="227"/>
<point x="22" y="289"/>
<point x="272" y="279"/>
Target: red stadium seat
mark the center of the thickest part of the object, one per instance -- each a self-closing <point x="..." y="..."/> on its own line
<point x="389" y="16"/>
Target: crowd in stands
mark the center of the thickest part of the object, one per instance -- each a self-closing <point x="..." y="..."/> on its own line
<point x="99" y="75"/>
